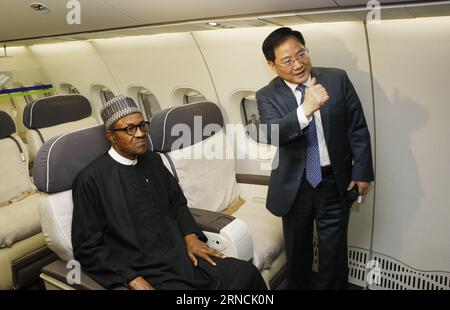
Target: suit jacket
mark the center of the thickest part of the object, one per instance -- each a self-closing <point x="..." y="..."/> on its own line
<point x="346" y="135"/>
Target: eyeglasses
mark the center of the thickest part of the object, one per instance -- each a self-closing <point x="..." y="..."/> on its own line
<point x="301" y="56"/>
<point x="131" y="129"/>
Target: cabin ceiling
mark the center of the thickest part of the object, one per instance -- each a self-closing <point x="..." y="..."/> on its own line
<point x="20" y="25"/>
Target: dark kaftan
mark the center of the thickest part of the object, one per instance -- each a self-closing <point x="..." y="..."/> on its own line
<point x="130" y="221"/>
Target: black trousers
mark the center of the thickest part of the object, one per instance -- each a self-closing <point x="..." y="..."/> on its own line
<point x="323" y="205"/>
<point x="229" y="274"/>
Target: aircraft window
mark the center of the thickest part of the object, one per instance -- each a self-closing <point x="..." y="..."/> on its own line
<point x="250" y="116"/>
<point x="106" y="94"/>
<point x="192" y="97"/>
<point x="69" y="89"/>
<point x="73" y="90"/>
<point x="149" y="104"/>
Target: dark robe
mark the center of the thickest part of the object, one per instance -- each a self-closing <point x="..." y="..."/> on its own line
<point x="130" y="221"/>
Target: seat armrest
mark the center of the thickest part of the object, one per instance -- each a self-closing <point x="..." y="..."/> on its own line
<point x="253" y="179"/>
<point x="26" y="269"/>
<point x="211" y="221"/>
<point x="226" y="234"/>
<point x="58" y="271"/>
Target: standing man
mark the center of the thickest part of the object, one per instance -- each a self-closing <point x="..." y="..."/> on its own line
<point x="325" y="157"/>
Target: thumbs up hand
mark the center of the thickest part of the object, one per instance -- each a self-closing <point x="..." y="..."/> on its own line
<point x="315" y="98"/>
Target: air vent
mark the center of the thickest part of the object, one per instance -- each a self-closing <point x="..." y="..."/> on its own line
<point x="394" y="275"/>
<point x="357" y="259"/>
<point x="39" y="7"/>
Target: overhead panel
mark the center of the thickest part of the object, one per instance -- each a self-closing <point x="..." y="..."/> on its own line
<point x="365" y="2"/>
<point x="242" y="23"/>
<point x="442" y="9"/>
<point x="160" y="11"/>
<point x="397" y="12"/>
<point x="18" y="20"/>
<point x="329" y="17"/>
<point x="286" y="20"/>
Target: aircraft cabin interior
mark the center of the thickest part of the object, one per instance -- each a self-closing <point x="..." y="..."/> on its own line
<point x="62" y="61"/>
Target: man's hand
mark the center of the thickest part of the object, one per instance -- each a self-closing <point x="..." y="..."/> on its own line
<point x="362" y="187"/>
<point x="197" y="248"/>
<point x="140" y="284"/>
<point x="315" y="98"/>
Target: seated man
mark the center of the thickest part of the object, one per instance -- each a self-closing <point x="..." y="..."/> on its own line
<point x="131" y="225"/>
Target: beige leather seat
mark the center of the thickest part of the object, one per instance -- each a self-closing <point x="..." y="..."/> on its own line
<point x="203" y="161"/>
<point x="51" y="116"/>
<point x="22" y="246"/>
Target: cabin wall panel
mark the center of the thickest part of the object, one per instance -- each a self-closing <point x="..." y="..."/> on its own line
<point x="161" y="63"/>
<point x="79" y="64"/>
<point x="411" y="78"/>
<point x="24" y="67"/>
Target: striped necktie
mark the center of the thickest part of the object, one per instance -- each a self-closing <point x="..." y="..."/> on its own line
<point x="312" y="166"/>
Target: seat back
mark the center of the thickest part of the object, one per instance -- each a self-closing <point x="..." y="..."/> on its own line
<point x="14" y="178"/>
<point x="57" y="163"/>
<point x="15" y="107"/>
<point x="6" y="105"/>
<point x="51" y="116"/>
<point x="19" y="218"/>
<point x="192" y="142"/>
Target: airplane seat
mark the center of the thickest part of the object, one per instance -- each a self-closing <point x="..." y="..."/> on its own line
<point x="22" y="246"/>
<point x="56" y="165"/>
<point x="51" y="116"/>
<point x="194" y="146"/>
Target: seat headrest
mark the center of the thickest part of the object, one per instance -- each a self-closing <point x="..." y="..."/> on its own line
<point x="193" y="117"/>
<point x="7" y="126"/>
<point x="55" y="110"/>
<point x="60" y="159"/>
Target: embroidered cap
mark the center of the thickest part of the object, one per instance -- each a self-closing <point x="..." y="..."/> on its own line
<point x="116" y="108"/>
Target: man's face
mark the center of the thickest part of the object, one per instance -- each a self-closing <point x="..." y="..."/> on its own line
<point x="126" y="145"/>
<point x="286" y="66"/>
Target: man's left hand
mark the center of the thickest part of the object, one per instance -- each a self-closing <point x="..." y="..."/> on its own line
<point x="197" y="248"/>
<point x="362" y="187"/>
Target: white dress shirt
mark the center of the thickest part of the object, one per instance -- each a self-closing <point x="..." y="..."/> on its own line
<point x="120" y="159"/>
<point x="304" y="121"/>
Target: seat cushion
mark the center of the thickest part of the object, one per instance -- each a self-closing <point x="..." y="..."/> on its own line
<point x="56" y="220"/>
<point x="208" y="183"/>
<point x="19" y="221"/>
<point x="266" y="229"/>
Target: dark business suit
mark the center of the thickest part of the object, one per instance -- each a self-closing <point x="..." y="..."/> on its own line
<point x="290" y="195"/>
